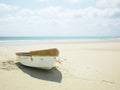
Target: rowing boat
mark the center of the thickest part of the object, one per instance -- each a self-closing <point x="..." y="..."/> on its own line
<point x="44" y="59"/>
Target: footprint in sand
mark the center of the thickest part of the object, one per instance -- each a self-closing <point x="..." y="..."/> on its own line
<point x="8" y="65"/>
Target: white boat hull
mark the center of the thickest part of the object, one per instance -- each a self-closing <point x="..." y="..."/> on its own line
<point x="43" y="62"/>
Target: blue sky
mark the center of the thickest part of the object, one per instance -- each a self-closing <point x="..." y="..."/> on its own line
<point x="60" y="18"/>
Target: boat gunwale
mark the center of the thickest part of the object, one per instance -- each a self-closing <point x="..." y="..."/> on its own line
<point x="46" y="52"/>
<point x="23" y="54"/>
<point x="28" y="54"/>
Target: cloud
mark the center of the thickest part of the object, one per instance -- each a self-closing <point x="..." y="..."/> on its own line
<point x="92" y="12"/>
<point x="108" y="3"/>
<point x="73" y="1"/>
<point x="66" y="1"/>
<point x="109" y="13"/>
<point x="43" y="0"/>
<point x="25" y="12"/>
<point x="6" y="7"/>
<point x="61" y="20"/>
<point x="59" y="15"/>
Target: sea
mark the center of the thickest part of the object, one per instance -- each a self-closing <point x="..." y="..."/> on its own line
<point x="20" y="40"/>
<point x="54" y="38"/>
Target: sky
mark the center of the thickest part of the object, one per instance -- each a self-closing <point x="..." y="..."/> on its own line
<point x="60" y="18"/>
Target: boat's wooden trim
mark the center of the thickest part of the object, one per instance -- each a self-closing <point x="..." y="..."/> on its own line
<point x="23" y="54"/>
<point x="46" y="52"/>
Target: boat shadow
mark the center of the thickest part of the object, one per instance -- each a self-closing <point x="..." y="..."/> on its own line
<point x="53" y="75"/>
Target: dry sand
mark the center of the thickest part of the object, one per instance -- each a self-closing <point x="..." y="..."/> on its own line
<point x="84" y="66"/>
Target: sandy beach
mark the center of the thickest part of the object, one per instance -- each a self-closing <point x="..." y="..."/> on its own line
<point x="85" y="65"/>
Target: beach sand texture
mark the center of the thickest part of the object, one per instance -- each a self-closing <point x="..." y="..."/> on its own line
<point x="84" y="66"/>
